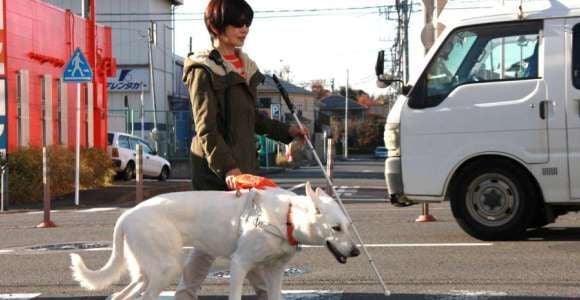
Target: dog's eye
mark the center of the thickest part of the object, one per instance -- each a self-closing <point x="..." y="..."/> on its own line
<point x="337" y="228"/>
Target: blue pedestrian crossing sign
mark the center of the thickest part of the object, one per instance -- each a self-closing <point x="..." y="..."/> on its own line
<point x="77" y="69"/>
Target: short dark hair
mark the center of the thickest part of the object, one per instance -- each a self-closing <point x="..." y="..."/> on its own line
<point x="221" y="13"/>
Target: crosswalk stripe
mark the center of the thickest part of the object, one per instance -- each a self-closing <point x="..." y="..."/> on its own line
<point x="19" y="296"/>
<point x="287" y="295"/>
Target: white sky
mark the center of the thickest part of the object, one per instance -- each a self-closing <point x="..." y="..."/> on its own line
<point x="315" y="47"/>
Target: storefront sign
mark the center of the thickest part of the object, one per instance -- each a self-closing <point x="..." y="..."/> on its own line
<point x="129" y="80"/>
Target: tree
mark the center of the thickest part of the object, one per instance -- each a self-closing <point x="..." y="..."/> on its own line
<point x="318" y="90"/>
<point x="369" y="133"/>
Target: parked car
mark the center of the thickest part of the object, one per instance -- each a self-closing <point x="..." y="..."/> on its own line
<point x="122" y="148"/>
<point x="381" y="152"/>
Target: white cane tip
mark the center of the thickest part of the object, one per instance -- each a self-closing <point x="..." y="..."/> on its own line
<point x="387" y="293"/>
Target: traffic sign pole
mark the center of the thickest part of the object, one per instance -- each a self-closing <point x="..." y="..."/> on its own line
<point x="78" y="70"/>
<point x="78" y="146"/>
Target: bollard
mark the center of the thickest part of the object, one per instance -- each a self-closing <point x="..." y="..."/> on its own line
<point x="2" y="185"/>
<point x="330" y="165"/>
<point x="425" y="216"/>
<point x="139" y="174"/>
<point x="46" y="223"/>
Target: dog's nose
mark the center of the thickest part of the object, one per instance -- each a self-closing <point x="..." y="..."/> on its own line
<point x="355" y="252"/>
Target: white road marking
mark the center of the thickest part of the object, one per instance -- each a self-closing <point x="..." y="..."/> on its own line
<point x="98" y="209"/>
<point x="40" y="212"/>
<point x="477" y="293"/>
<point x="12" y="251"/>
<point x="416" y="245"/>
<point x="287" y="294"/>
<point x="297" y="186"/>
<point x="19" y="296"/>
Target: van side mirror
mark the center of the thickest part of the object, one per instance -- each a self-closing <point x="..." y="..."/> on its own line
<point x="383" y="80"/>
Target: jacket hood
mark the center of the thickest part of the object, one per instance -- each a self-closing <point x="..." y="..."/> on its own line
<point x="202" y="58"/>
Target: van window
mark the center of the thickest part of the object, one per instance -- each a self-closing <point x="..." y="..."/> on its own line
<point x="479" y="54"/>
<point x="110" y="138"/>
<point x="576" y="56"/>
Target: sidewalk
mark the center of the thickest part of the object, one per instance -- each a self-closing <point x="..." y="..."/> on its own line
<point x="119" y="194"/>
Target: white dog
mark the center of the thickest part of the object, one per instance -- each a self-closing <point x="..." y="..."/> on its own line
<point x="259" y="229"/>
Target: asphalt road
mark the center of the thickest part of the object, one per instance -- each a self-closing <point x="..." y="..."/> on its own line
<point x="417" y="260"/>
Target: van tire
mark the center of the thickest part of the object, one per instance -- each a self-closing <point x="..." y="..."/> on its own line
<point x="493" y="200"/>
<point x="129" y="171"/>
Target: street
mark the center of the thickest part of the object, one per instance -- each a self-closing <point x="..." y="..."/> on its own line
<point x="434" y="260"/>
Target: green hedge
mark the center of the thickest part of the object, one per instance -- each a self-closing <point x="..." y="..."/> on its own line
<point x="25" y="172"/>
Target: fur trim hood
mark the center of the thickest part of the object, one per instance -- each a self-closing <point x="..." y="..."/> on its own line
<point x="202" y="58"/>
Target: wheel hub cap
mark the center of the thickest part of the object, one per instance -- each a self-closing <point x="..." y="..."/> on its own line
<point x="492" y="199"/>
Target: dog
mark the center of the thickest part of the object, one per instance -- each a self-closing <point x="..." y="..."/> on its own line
<point x="257" y="230"/>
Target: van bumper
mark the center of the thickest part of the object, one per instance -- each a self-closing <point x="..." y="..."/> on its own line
<point x="394" y="181"/>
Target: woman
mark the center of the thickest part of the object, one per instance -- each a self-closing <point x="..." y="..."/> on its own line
<point x="222" y="85"/>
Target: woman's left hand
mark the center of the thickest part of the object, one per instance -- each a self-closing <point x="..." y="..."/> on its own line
<point x="296" y="131"/>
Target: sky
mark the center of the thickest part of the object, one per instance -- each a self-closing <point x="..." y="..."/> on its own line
<point x="321" y="47"/>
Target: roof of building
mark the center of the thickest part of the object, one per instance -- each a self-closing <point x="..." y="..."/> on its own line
<point x="336" y="102"/>
<point x="270" y="86"/>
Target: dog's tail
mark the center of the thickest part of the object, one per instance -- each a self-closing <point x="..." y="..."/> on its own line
<point x="109" y="273"/>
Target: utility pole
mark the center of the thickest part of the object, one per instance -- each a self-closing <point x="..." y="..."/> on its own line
<point x="345" y="146"/>
<point x="406" y="17"/>
<point x="153" y="42"/>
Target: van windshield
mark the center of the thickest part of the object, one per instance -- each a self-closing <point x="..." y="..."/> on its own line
<point x="480" y="54"/>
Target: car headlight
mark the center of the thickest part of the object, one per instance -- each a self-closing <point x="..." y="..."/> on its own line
<point x="392" y="137"/>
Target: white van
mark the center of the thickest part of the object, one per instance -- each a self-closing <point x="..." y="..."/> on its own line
<point x="492" y="123"/>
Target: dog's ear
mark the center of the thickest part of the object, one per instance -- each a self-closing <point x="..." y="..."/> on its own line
<point x="309" y="191"/>
<point x="320" y="192"/>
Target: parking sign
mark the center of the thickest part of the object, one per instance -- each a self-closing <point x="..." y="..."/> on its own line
<point x="275" y="111"/>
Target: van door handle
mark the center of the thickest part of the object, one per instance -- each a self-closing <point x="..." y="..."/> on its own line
<point x="543" y="109"/>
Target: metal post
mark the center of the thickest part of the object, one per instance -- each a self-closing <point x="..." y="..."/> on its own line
<point x="345" y="146"/>
<point x="78" y="145"/>
<point x="329" y="165"/>
<point x="46" y="223"/>
<point x="139" y="174"/>
<point x="142" y="111"/>
<point x="267" y="145"/>
<point x="2" y="189"/>
<point x="152" y="41"/>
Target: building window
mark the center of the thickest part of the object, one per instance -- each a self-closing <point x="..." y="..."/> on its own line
<point x="264" y="102"/>
<point x="58" y="83"/>
<point x="62" y="112"/>
<point x="23" y="108"/>
<point x="46" y="106"/>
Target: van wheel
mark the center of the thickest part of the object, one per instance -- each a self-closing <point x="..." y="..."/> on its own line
<point x="129" y="171"/>
<point x="493" y="200"/>
<point x="164" y="174"/>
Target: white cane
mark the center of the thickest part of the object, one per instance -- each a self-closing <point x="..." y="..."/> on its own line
<point x="291" y="107"/>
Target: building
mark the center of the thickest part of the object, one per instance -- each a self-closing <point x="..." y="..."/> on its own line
<point x="37" y="107"/>
<point x="270" y="102"/>
<point x="131" y="88"/>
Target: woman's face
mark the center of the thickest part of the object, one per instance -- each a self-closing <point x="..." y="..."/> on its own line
<point x="234" y="36"/>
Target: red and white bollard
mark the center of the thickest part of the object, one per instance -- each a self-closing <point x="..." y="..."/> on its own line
<point x="46" y="223"/>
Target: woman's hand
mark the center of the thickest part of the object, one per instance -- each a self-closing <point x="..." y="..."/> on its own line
<point x="230" y="175"/>
<point x="296" y="132"/>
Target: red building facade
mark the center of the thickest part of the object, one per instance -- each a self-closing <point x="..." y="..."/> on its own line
<point x="37" y="40"/>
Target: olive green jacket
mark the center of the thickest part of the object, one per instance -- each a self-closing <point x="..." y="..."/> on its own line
<point x="235" y="146"/>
